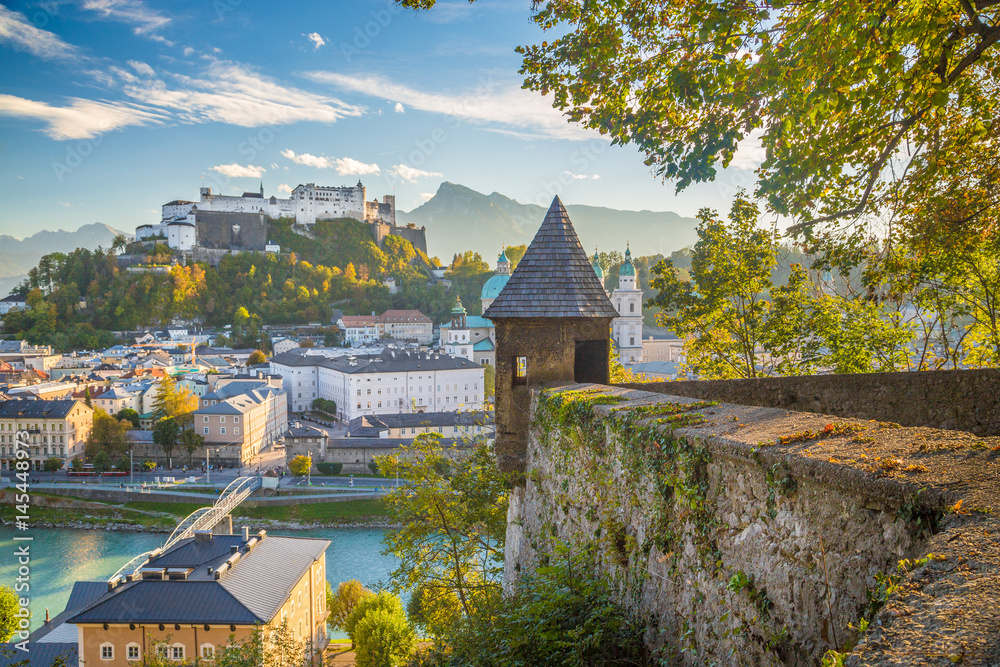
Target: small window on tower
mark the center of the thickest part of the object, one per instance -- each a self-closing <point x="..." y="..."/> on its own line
<point x="520" y="370"/>
<point x="631" y="308"/>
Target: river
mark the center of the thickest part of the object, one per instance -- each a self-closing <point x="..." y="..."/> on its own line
<point x="60" y="557"/>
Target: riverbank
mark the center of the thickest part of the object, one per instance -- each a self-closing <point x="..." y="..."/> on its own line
<point x="49" y="511"/>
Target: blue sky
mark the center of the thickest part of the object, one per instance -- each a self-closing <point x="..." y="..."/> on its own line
<point x="109" y="108"/>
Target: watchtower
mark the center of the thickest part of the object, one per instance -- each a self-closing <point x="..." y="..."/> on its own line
<point x="553" y="325"/>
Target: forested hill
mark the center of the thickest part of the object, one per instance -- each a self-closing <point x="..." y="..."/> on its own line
<point x="76" y="297"/>
<point x="458" y="218"/>
<point x="17" y="256"/>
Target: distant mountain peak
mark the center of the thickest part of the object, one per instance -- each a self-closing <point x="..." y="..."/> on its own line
<point x="459" y="218"/>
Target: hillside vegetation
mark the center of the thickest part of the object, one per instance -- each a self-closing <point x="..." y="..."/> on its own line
<point x="75" y="299"/>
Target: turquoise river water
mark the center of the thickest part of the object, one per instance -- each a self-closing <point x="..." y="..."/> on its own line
<point x="60" y="557"/>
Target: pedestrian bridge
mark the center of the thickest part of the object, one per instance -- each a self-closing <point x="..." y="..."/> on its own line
<point x="203" y="518"/>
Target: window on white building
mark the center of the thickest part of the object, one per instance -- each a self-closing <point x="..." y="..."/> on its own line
<point x="177" y="651"/>
<point x="132" y="652"/>
<point x="205" y="430"/>
<point x="107" y="651"/>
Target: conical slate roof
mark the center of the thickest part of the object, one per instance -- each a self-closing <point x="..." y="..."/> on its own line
<point x="554" y="278"/>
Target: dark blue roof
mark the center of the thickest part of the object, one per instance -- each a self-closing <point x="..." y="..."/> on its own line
<point x="191" y="553"/>
<point x="39" y="655"/>
<point x="154" y="601"/>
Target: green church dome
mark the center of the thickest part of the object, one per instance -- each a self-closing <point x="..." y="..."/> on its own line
<point x="627" y="269"/>
<point x="597" y="266"/>
<point x="493" y="286"/>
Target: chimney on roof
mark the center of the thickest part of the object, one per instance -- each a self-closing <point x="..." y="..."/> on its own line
<point x="202" y="536"/>
<point x="234" y="549"/>
<point x="246" y="534"/>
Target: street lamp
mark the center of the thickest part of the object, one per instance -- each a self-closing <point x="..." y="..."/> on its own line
<point x="309" y="470"/>
<point x="131" y="469"/>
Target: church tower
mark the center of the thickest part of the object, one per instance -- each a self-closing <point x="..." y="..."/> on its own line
<point x="626" y="329"/>
<point x="497" y="281"/>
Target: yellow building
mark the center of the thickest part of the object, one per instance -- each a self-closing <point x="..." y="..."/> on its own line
<point x="194" y="598"/>
<point x="54" y="429"/>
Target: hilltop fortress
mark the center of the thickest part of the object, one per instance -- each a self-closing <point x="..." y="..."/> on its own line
<point x="238" y="222"/>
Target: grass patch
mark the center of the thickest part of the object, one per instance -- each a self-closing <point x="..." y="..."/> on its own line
<point x="339" y="512"/>
<point x="177" y="509"/>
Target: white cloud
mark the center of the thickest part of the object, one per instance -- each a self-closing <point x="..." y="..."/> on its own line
<point x="426" y="195"/>
<point x="342" y="165"/>
<point x="399" y="107"/>
<point x="144" y="20"/>
<point x="274" y="165"/>
<point x="316" y="39"/>
<point x="285" y="189"/>
<point x="230" y="92"/>
<point x="529" y="113"/>
<point x="65" y="204"/>
<point x="581" y="177"/>
<point x="410" y="174"/>
<point x="23" y="36"/>
<point x="80" y="119"/>
<point x="188" y="50"/>
<point x="239" y="171"/>
<point x="142" y="68"/>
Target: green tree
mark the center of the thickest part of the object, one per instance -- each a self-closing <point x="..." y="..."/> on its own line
<point x="489" y="381"/>
<point x="173" y="401"/>
<point x="191" y="442"/>
<point x="452" y="506"/>
<point x="342" y="603"/>
<point x="381" y="601"/>
<point x="514" y="254"/>
<point x="264" y="647"/>
<point x="723" y="310"/>
<point x="102" y="461"/>
<point x="383" y="639"/>
<point x="436" y="609"/>
<point x="875" y="108"/>
<point x="52" y="465"/>
<point x="108" y="435"/>
<point x="9" y="606"/>
<point x="300" y="465"/>
<point x="166" y="432"/>
<point x="129" y="415"/>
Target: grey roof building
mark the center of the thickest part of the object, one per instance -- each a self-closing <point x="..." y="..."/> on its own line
<point x="24" y="409"/>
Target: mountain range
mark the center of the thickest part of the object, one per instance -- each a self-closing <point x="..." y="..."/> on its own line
<point x="459" y="218"/>
<point x="18" y="256"/>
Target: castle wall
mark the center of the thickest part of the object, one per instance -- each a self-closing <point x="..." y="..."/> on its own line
<point x="758" y="536"/>
<point x="223" y="230"/>
<point x="965" y="400"/>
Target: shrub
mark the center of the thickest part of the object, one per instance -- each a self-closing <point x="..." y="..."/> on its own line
<point x="384" y="600"/>
<point x="330" y="468"/>
<point x="383" y="638"/>
<point x="373" y="466"/>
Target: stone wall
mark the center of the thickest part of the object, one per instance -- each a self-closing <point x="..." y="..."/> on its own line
<point x="758" y="536"/>
<point x="964" y="400"/>
<point x="225" y="230"/>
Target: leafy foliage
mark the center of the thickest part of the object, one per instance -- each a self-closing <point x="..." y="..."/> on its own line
<point x="344" y="601"/>
<point x="383" y="638"/>
<point x="738" y="322"/>
<point x="300" y="465"/>
<point x="108" y="436"/>
<point x="452" y="505"/>
<point x="328" y="468"/>
<point x="560" y="614"/>
<point x="8" y="607"/>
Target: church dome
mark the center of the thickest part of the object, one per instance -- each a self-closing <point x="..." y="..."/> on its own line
<point x="597" y="266"/>
<point x="493" y="286"/>
<point x="627" y="269"/>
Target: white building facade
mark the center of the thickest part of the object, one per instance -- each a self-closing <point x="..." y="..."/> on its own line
<point x="626" y="329"/>
<point x="392" y="382"/>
